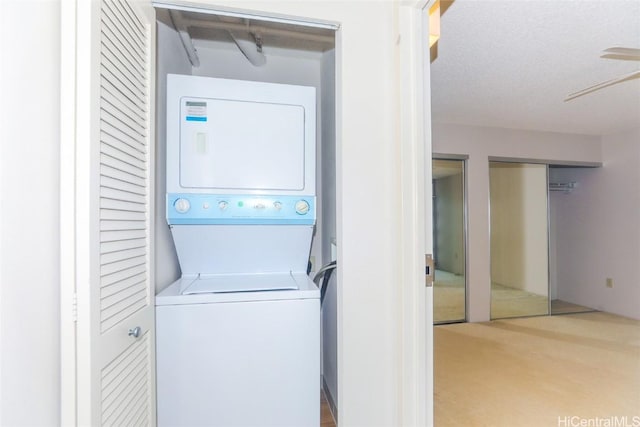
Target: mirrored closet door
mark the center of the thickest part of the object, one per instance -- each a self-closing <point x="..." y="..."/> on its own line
<point x="519" y="239"/>
<point x="449" y="238"/>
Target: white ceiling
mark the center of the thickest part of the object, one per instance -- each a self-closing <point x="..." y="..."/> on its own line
<point x="511" y="64"/>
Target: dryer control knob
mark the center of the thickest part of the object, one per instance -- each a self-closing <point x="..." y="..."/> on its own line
<point x="223" y="205"/>
<point x="302" y="207"/>
<point x="182" y="205"/>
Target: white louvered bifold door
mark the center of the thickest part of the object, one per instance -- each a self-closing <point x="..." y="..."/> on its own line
<point x="116" y="344"/>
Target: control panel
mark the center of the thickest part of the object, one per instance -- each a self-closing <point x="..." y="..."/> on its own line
<point x="240" y="209"/>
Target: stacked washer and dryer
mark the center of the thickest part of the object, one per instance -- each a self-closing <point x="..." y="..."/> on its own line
<point x="238" y="335"/>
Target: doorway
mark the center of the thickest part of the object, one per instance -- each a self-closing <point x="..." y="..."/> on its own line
<point x="566" y="195"/>
<point x="449" y="240"/>
<point x="208" y="43"/>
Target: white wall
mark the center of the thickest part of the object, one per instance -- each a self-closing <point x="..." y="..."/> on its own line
<point x="288" y="66"/>
<point x="328" y="197"/>
<point x="171" y="58"/>
<point x="29" y="232"/>
<point x="597" y="232"/>
<point x="480" y="144"/>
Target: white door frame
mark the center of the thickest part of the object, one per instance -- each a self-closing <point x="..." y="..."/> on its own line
<point x="68" y="303"/>
<point x="415" y="140"/>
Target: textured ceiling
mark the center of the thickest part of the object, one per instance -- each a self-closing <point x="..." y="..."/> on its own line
<point x="511" y="64"/>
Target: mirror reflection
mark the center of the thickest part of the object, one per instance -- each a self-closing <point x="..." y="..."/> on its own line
<point x="449" y="241"/>
<point x="519" y="240"/>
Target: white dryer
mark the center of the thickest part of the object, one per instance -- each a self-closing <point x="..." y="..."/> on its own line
<point x="238" y="335"/>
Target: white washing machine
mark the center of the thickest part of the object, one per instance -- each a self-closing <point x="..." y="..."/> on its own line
<point x="238" y="335"/>
<point x="239" y="358"/>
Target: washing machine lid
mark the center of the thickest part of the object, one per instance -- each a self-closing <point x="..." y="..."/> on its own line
<point x="173" y="294"/>
<point x="222" y="283"/>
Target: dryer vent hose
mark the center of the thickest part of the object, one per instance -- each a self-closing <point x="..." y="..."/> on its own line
<point x="324" y="273"/>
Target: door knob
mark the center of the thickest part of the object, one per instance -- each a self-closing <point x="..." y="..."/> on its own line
<point x="135" y="332"/>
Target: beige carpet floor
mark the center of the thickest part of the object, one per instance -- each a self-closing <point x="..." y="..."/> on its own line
<point x="538" y="371"/>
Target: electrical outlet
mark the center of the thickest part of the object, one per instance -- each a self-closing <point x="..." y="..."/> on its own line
<point x="609" y="282"/>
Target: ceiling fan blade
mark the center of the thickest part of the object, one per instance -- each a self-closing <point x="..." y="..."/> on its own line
<point x="624" y="53"/>
<point x="623" y="78"/>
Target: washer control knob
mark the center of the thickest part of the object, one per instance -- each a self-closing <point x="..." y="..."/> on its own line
<point x="182" y="205"/>
<point x="277" y="205"/>
<point x="223" y="205"/>
<point x="302" y="207"/>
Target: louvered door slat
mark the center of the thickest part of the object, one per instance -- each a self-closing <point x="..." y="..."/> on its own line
<point x="115" y="314"/>
<point x="121" y="286"/>
<point x="113" y="187"/>
<point x="116" y="387"/>
<point x="121" y="245"/>
<point x="111" y="193"/>
<point x="118" y="215"/>
<point x="119" y="80"/>
<point x="120" y="118"/>
<point x="119" y="56"/>
<point x="121" y="276"/>
<point x="111" y="236"/>
<point x="119" y="141"/>
<point x="116" y="59"/>
<point x="112" y="95"/>
<point x="120" y="175"/>
<point x="130" y="413"/>
<point x="122" y="135"/>
<point x="115" y="267"/>
<point x="123" y="254"/>
<point x="112" y="136"/>
<point x="121" y="151"/>
<point x="127" y="23"/>
<point x="121" y="205"/>
<point x="122" y="225"/>
<point x="120" y="297"/>
<point x="122" y="161"/>
<point x="122" y="407"/>
<point x="115" y="19"/>
<point x="122" y="375"/>
<point x="132" y="18"/>
<point x="119" y="364"/>
<point x="112" y="183"/>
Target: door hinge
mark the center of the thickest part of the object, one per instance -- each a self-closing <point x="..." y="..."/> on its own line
<point x="429" y="272"/>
